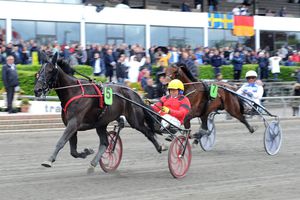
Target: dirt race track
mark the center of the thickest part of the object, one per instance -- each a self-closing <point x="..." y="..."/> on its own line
<point x="237" y="168"/>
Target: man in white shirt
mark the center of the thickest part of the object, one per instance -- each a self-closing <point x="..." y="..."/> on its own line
<point x="251" y="89"/>
<point x="275" y="66"/>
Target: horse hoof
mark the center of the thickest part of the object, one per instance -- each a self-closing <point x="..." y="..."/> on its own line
<point x="91" y="169"/>
<point x="195" y="143"/>
<point x="88" y="151"/>
<point x="163" y="147"/>
<point x="47" y="164"/>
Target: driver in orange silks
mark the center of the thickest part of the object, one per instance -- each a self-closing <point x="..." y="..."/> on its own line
<point x="175" y="106"/>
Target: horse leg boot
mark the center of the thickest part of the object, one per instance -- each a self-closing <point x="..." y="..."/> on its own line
<point x="151" y="136"/>
<point x="138" y="124"/>
<point x="68" y="133"/>
<point x="102" y="133"/>
<point x="73" y="148"/>
<point x="250" y="128"/>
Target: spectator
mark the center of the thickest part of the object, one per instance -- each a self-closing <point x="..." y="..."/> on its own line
<point x="275" y="66"/>
<point x="185" y="7"/>
<point x="296" y="102"/>
<point x="24" y="56"/>
<point x="161" y="84"/>
<point x="283" y="53"/>
<point x="133" y="71"/>
<point x="244" y="10"/>
<point x="207" y="56"/>
<point x="148" y="64"/>
<point x="145" y="77"/>
<point x="2" y="58"/>
<point x="150" y="89"/>
<point x="199" y="5"/>
<point x="282" y="11"/>
<point x="212" y="5"/>
<point x="237" y="62"/>
<point x="236" y="10"/>
<point x="216" y="61"/>
<point x="121" y="69"/>
<point x="81" y="55"/>
<point x="73" y="59"/>
<point x="263" y="64"/>
<point x="198" y="56"/>
<point x="10" y="80"/>
<point x="98" y="65"/>
<point x="289" y="62"/>
<point x="174" y="57"/>
<point x="295" y="56"/>
<point x="110" y="64"/>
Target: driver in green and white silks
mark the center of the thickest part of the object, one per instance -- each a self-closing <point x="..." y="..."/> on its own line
<point x="251" y="89"/>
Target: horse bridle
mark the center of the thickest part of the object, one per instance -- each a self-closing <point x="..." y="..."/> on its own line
<point x="47" y="85"/>
<point x="175" y="74"/>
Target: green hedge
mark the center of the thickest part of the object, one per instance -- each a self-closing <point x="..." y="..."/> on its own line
<point x="27" y="74"/>
<point x="27" y="77"/>
<point x="207" y="72"/>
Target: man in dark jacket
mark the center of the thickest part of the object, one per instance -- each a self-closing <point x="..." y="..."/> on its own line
<point x="110" y="64"/>
<point x="263" y="64"/>
<point x="237" y="62"/>
<point x="10" y="81"/>
<point x="216" y="61"/>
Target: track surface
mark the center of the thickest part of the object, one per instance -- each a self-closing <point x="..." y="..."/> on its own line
<point x="237" y="168"/>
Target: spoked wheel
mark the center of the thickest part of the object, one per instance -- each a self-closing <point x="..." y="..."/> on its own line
<point x="178" y="161"/>
<point x="273" y="138"/>
<point x="111" y="159"/>
<point x="207" y="141"/>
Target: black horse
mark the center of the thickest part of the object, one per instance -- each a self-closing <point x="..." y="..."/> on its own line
<point x="83" y="109"/>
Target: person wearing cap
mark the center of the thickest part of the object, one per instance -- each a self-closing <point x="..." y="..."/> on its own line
<point x="175" y="106"/>
<point x="251" y="89"/>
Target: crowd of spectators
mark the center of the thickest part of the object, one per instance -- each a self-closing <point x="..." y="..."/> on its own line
<point x="132" y="63"/>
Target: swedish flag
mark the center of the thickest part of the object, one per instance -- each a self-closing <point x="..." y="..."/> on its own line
<point x="219" y="20"/>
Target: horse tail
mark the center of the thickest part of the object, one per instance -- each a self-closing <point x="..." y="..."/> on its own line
<point x="241" y="104"/>
<point x="149" y="118"/>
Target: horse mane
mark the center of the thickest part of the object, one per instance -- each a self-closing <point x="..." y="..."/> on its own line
<point x="65" y="66"/>
<point x="187" y="73"/>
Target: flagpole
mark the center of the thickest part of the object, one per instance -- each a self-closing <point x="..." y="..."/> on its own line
<point x="254" y="7"/>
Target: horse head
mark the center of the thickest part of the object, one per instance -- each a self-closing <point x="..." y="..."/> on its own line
<point x="181" y="72"/>
<point x="172" y="72"/>
<point x="47" y="75"/>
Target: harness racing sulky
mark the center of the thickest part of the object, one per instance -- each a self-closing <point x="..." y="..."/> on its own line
<point x="207" y="99"/>
<point x="88" y="105"/>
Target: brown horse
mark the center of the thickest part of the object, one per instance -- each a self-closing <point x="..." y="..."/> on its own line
<point x="196" y="91"/>
<point x="202" y="104"/>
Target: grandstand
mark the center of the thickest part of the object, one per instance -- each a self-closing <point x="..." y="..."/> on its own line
<point x="261" y="6"/>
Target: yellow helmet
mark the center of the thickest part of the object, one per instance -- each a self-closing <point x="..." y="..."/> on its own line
<point x="176" y="84"/>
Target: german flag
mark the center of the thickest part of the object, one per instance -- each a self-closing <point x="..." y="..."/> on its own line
<point x="243" y="26"/>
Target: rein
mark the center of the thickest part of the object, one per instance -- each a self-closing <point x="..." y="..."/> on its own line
<point x="194" y="83"/>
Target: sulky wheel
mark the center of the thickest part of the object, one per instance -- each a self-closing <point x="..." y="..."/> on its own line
<point x="179" y="163"/>
<point x="207" y="141"/>
<point x="273" y="138"/>
<point x="111" y="159"/>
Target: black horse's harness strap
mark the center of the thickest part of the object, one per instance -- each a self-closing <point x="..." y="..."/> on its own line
<point x="83" y="95"/>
